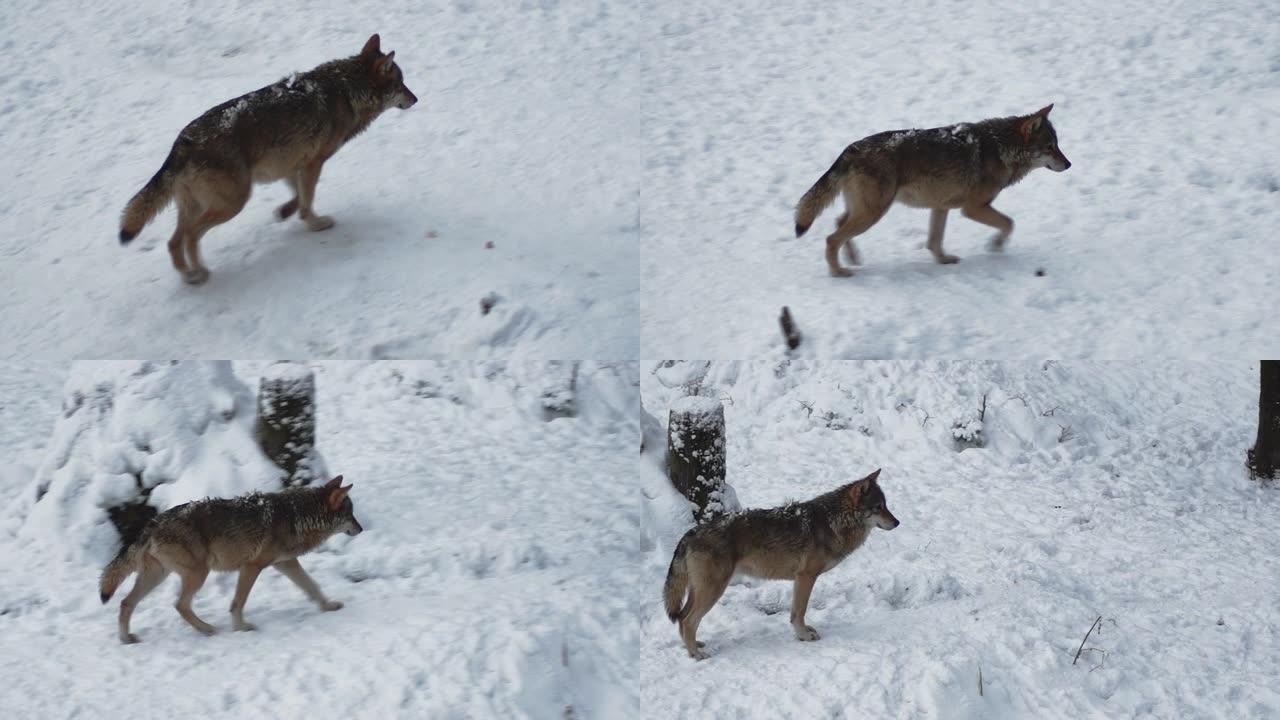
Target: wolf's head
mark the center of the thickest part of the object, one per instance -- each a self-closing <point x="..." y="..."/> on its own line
<point x="1041" y="142"/>
<point x="341" y="511"/>
<point x="385" y="75"/>
<point x="867" y="500"/>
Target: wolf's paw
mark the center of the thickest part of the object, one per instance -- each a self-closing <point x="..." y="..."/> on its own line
<point x="699" y="643"/>
<point x="130" y="639"/>
<point x="285" y="211"/>
<point x="806" y="634"/>
<point x="996" y="243"/>
<point x="316" y="223"/>
<point x="206" y="629"/>
<point x="243" y="626"/>
<point x="698" y="654"/>
<point x="195" y="276"/>
<point x="947" y="259"/>
<point x="330" y="605"/>
<point x="841" y="272"/>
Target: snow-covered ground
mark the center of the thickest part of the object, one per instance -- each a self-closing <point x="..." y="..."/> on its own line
<point x="525" y="136"/>
<point x="1102" y="490"/>
<point x="496" y="577"/>
<point x="1160" y="239"/>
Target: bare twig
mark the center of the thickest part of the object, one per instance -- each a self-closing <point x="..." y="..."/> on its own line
<point x="806" y="406"/>
<point x="1051" y="411"/>
<point x="789" y="331"/>
<point x="979" y="681"/>
<point x="1020" y="397"/>
<point x="982" y="412"/>
<point x="1080" y="649"/>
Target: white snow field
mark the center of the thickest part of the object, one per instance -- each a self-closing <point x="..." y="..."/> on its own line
<point x="524" y="136"/>
<point x="496" y="577"/>
<point x="1160" y="239"/>
<point x="1102" y="490"/>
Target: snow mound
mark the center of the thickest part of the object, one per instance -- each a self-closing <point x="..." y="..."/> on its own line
<point x="158" y="434"/>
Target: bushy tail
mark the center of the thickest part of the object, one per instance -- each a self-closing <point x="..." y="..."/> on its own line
<point x="122" y="566"/>
<point x="822" y="194"/>
<point x="673" y="591"/>
<point x="150" y="200"/>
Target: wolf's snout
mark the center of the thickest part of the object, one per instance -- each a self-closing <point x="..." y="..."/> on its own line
<point x="356" y="528"/>
<point x="407" y="99"/>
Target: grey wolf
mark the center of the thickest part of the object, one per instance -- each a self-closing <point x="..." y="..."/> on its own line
<point x="284" y="131"/>
<point x="961" y="166"/>
<point x="248" y="534"/>
<point x="798" y="542"/>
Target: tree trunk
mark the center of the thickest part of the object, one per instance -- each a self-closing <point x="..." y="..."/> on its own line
<point x="286" y="427"/>
<point x="1264" y="457"/>
<point x="696" y="454"/>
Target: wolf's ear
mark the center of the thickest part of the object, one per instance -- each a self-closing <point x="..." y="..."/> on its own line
<point x="371" y="47"/>
<point x="336" y="496"/>
<point x="388" y="61"/>
<point x="872" y="477"/>
<point x="333" y="483"/>
<point x="1031" y="123"/>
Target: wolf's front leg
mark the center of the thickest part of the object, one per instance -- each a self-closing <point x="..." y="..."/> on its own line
<point x="307" y="180"/>
<point x="800" y="603"/>
<point x="292" y="569"/>
<point x="248" y="576"/>
<point x="285" y="211"/>
<point x="938" y="224"/>
<point x="991" y="217"/>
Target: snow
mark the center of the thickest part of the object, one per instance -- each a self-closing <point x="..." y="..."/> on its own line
<point x="1143" y="515"/>
<point x="523" y="138"/>
<point x="1159" y="240"/>
<point x="696" y="405"/>
<point x="495" y="577"/>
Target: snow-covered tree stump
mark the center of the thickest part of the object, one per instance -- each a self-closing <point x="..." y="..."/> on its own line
<point x="286" y="426"/>
<point x="696" y="454"/>
<point x="1264" y="457"/>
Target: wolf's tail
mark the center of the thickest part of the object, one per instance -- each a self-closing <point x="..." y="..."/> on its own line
<point x="151" y="199"/>
<point x="822" y="194"/>
<point x="673" y="591"/>
<point x="122" y="566"/>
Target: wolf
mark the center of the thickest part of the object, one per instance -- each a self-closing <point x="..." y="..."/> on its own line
<point x="247" y="533"/>
<point x="284" y="131"/>
<point x="798" y="541"/>
<point x="961" y="166"/>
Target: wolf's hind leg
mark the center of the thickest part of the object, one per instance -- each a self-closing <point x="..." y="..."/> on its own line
<point x="149" y="577"/>
<point x="851" y="254"/>
<point x="800" y="604"/>
<point x="707" y="582"/>
<point x="192" y="580"/>
<point x="937" y="225"/>
<point x="866" y="201"/>
<point x="223" y="198"/>
<point x="988" y="215"/>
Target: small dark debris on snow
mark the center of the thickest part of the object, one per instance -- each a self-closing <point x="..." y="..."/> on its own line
<point x="488" y="244"/>
<point x="432" y="234"/>
<point x="789" y="331"/>
<point x="1039" y="272"/>
<point x="487" y="302"/>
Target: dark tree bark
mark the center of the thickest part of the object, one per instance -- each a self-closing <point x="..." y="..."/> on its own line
<point x="696" y="454"/>
<point x="286" y="427"/>
<point x="1264" y="457"/>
